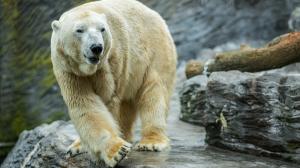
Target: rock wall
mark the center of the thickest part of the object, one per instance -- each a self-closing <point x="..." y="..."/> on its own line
<point x="252" y="113"/>
<point x="197" y="24"/>
<point x="29" y="95"/>
<point x="294" y="21"/>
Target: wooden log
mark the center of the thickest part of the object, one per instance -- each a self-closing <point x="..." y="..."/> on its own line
<point x="193" y="68"/>
<point x="281" y="51"/>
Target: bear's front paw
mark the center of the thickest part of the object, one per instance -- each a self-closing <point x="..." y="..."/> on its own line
<point x="116" y="151"/>
<point x="156" y="144"/>
<point x="75" y="148"/>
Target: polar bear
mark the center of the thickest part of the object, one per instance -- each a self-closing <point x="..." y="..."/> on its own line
<point x="114" y="60"/>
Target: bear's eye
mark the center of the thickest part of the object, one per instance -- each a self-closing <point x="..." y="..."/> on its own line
<point x="102" y="29"/>
<point x="79" y="31"/>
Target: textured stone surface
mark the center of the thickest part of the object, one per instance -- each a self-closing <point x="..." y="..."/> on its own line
<point x="46" y="146"/>
<point x="28" y="90"/>
<point x="294" y="21"/>
<point x="197" y="24"/>
<point x="252" y="113"/>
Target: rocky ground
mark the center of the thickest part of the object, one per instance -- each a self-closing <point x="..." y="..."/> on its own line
<point x="46" y="146"/>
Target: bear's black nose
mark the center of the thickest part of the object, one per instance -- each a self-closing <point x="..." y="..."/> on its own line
<point x="96" y="49"/>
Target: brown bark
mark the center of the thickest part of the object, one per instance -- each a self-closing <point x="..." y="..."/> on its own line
<point x="193" y="68"/>
<point x="281" y="51"/>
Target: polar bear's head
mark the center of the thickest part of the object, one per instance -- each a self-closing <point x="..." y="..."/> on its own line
<point x="84" y="37"/>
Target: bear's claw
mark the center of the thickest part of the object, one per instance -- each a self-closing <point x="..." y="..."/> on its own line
<point x="155" y="147"/>
<point x="75" y="149"/>
<point x="120" y="155"/>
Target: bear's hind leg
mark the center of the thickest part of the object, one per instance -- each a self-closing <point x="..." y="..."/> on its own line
<point x="152" y="107"/>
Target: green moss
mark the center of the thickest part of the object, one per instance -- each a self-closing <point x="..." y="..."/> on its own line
<point x="12" y="12"/>
<point x="19" y="123"/>
<point x="56" y="116"/>
<point x="222" y="121"/>
<point x="47" y="35"/>
<point x="28" y="67"/>
<point x="48" y="81"/>
<point x="293" y="145"/>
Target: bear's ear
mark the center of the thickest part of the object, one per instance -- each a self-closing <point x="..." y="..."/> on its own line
<point x="55" y="25"/>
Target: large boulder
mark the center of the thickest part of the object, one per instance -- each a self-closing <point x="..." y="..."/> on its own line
<point x="255" y="113"/>
<point x="46" y="146"/>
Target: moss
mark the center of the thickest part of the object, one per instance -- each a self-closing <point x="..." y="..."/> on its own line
<point x="57" y="116"/>
<point x="293" y="145"/>
<point x="47" y="35"/>
<point x="27" y="66"/>
<point x="12" y="11"/>
<point x="222" y="121"/>
<point x="19" y="123"/>
<point x="48" y="81"/>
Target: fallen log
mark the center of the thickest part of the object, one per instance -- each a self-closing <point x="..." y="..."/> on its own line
<point x="281" y="51"/>
<point x="193" y="68"/>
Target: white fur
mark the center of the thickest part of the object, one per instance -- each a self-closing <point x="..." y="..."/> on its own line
<point x="136" y="74"/>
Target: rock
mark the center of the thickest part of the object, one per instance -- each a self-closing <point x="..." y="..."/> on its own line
<point x="28" y="90"/>
<point x="46" y="146"/>
<point x="192" y="97"/>
<point x="255" y="113"/>
<point x="198" y="24"/>
<point x="294" y="21"/>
